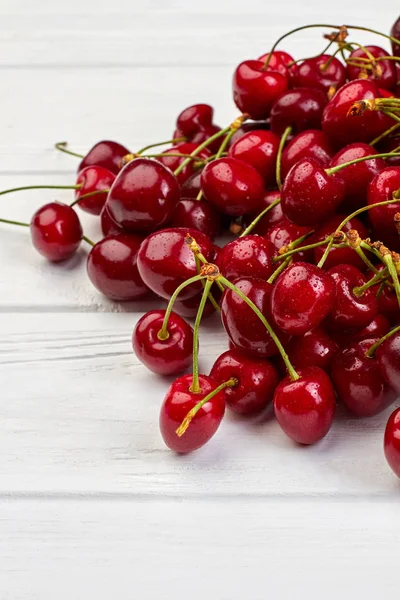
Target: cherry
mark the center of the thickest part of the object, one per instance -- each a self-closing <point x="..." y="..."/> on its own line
<point x="165" y="261"/>
<point x="395" y="32"/>
<point x="108" y="225"/>
<point x="383" y="72"/>
<point x="256" y="89"/>
<point x="279" y="61"/>
<point x="309" y="195"/>
<point x="311" y="143"/>
<point x="342" y="129"/>
<point x="247" y="255"/>
<point x="56" y="231"/>
<point x="192" y="186"/>
<point x="351" y="311"/>
<point x="301" y="298"/>
<point x="388" y="357"/>
<point x="163" y="356"/>
<point x="93" y="179"/>
<point x="173" y="162"/>
<point x="257" y="379"/>
<point x="194" y="118"/>
<point x="188" y="308"/>
<point x="389" y="144"/>
<point x="392" y="442"/>
<point x="358" y="381"/>
<point x="203" y="134"/>
<point x="385" y="186"/>
<point x="112" y="267"/>
<point x="247" y="127"/>
<point x="285" y="232"/>
<point x="304" y="408"/>
<point x="197" y="214"/>
<point x="338" y="256"/>
<point x="143" y="196"/>
<point x="178" y="401"/>
<point x="259" y="149"/>
<point x="314" y="348"/>
<point x="242" y="325"/>
<point x="321" y="72"/>
<point x="389" y="305"/>
<point x="377" y="328"/>
<point x="232" y="185"/>
<point x="105" y="154"/>
<point x="300" y="109"/>
<point x="272" y="217"/>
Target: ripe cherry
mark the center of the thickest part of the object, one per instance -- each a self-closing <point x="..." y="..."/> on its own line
<point x="191" y="187"/>
<point x="382" y="72"/>
<point x="93" y="179"/>
<point x="248" y="127"/>
<point x="203" y="134"/>
<point x="392" y="441"/>
<point x="300" y="109"/>
<point x="389" y="305"/>
<point x="311" y="143"/>
<point x="143" y="196"/>
<point x="163" y="356"/>
<point x="338" y="256"/>
<point x="309" y="194"/>
<point x="233" y="186"/>
<point x="377" y="328"/>
<point x="301" y="298"/>
<point x="314" y="348"/>
<point x="178" y="401"/>
<point x="385" y="186"/>
<point x="320" y="72"/>
<point x="279" y="61"/>
<point x="112" y="267"/>
<point x="108" y="225"/>
<point x="388" y="357"/>
<point x="246" y="255"/>
<point x="257" y="379"/>
<point x="105" y="154"/>
<point x="56" y="231"/>
<point x="258" y="149"/>
<point x="197" y="214"/>
<point x="165" y="261"/>
<point x="194" y="118"/>
<point x="358" y="381"/>
<point x="283" y="233"/>
<point x="173" y="162"/>
<point x="305" y="408"/>
<point x="272" y="217"/>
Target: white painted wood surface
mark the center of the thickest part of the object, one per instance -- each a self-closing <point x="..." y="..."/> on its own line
<point x="92" y="505"/>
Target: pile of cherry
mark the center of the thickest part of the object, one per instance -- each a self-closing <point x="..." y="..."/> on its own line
<point x="307" y="179"/>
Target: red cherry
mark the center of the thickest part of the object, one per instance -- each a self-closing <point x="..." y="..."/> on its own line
<point x="143" y="196"/>
<point x="108" y="225"/>
<point x="392" y="441"/>
<point x="173" y="162"/>
<point x="377" y="328"/>
<point x="311" y="143"/>
<point x="197" y="214"/>
<point x="351" y="311"/>
<point x="313" y="73"/>
<point x="248" y="127"/>
<point x="194" y="118"/>
<point x="383" y="72"/>
<point x="389" y="305"/>
<point x="301" y="298"/>
<point x="93" y="179"/>
<point x="257" y="379"/>
<point x="105" y="154"/>
<point x="165" y="357"/>
<point x="258" y="149"/>
<point x="395" y="32"/>
<point x="388" y="357"/>
<point x="314" y="348"/>
<point x="178" y="401"/>
<point x="191" y="187"/>
<point x="188" y="308"/>
<point x="300" y="109"/>
<point x="385" y="186"/>
<point x="203" y="134"/>
<point x="389" y="144"/>
<point x="342" y="129"/>
<point x="279" y="61"/>
<point x="358" y="176"/>
<point x="256" y="89"/>
<point x="112" y="267"/>
<point x="249" y="255"/>
<point x="286" y="58"/>
<point x="285" y="232"/>
<point x="242" y="325"/>
<point x="272" y="217"/>
<point x="309" y="195"/>
<point x="358" y="381"/>
<point x="165" y="261"/>
<point x="56" y="231"/>
<point x="305" y="408"/>
<point x="233" y="186"/>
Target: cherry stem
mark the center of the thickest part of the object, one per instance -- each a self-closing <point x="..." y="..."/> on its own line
<point x="279" y="270"/>
<point x="334" y="170"/>
<point x="198" y="255"/>
<point x="193" y="412"/>
<point x="360" y="289"/>
<point x="210" y="296"/>
<point x="258" y="218"/>
<point x="392" y="116"/>
<point x="225" y="143"/>
<point x="296" y="249"/>
<point x="366" y="260"/>
<point x="173" y="141"/>
<point x="300" y="60"/>
<point x="292" y="373"/>
<point x="388" y="260"/>
<point x="371" y="351"/>
<point x="14" y="223"/>
<point x="175" y="154"/>
<point x="384" y="134"/>
<point x="88" y="240"/>
<point x="195" y="387"/>
<point x="163" y="333"/>
<point x="89" y="195"/>
<point x="282" y="142"/>
<point x="197" y="150"/>
<point x="62" y="147"/>
<point x="199" y="195"/>
<point x="41" y="187"/>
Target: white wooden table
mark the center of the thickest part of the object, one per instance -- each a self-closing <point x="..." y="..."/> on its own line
<point x="92" y="505"/>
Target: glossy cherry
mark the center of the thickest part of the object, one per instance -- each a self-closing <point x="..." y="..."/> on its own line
<point x="192" y="186"/>
<point x="250" y="255"/>
<point x="382" y="72"/>
<point x="358" y="381"/>
<point x="258" y="149"/>
<point x="391" y="442"/>
<point x="351" y="311"/>
<point x="93" y="179"/>
<point x="301" y="298"/>
<point x="197" y="214"/>
<point x="305" y="408"/>
<point x="173" y="162"/>
<point x="247" y="127"/>
<point x="388" y="357"/>
<point x="165" y="357"/>
<point x="315" y="348"/>
<point x="112" y="267"/>
<point x="56" y="231"/>
<point x="300" y="109"/>
<point x="309" y="195"/>
<point x="178" y="401"/>
<point x="165" y="261"/>
<point x="257" y="379"/>
<point x="143" y="196"/>
<point x="389" y="144"/>
<point x="311" y="143"/>
<point x="279" y="61"/>
<point x="385" y="186"/>
<point x="233" y="186"/>
<point x="283" y="233"/>
<point x="194" y="118"/>
<point x="377" y="328"/>
<point x="256" y="89"/>
<point x="272" y="217"/>
<point x="321" y="72"/>
<point x="108" y="225"/>
<point x="204" y="134"/>
<point x="106" y="154"/>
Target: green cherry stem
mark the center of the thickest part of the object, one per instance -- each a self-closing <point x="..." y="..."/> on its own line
<point x="292" y="373"/>
<point x="197" y="151"/>
<point x="19" y="223"/>
<point x="163" y="333"/>
<point x="371" y="351"/>
<point x="164" y="143"/>
<point x="334" y="170"/>
<point x="384" y="134"/>
<point x="63" y="147"/>
<point x="88" y="240"/>
<point x="89" y="195"/>
<point x="279" y="270"/>
<point x="195" y="387"/>
<point x="282" y="143"/>
<point x="360" y="289"/>
<point x="41" y="187"/>
<point x="258" y="218"/>
<point x="388" y="260"/>
<point x="296" y="249"/>
<point x="210" y="296"/>
<point x="366" y="260"/>
<point x="198" y="255"/>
